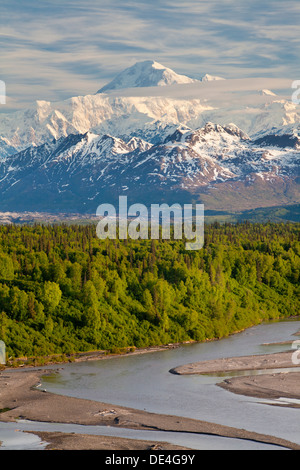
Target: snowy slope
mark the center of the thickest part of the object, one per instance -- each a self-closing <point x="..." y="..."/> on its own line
<point x="209" y="78"/>
<point x="80" y="171"/>
<point x="127" y="116"/>
<point x="144" y="111"/>
<point x="229" y="143"/>
<point x="146" y="74"/>
<point x="96" y="113"/>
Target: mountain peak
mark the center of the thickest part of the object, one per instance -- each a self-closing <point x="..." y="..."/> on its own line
<point x="267" y="92"/>
<point x="146" y="74"/>
<point x="210" y="78"/>
<point x="230" y="129"/>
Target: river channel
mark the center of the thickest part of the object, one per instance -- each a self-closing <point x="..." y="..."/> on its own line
<point x="143" y="381"/>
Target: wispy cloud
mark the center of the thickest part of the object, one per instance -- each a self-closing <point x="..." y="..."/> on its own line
<point x="53" y="50"/>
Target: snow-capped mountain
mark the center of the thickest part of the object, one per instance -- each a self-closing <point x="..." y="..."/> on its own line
<point x="254" y="105"/>
<point x="100" y="113"/>
<point x="156" y="136"/>
<point x="6" y="148"/>
<point x="81" y="171"/>
<point x="146" y="74"/>
<point x="210" y="78"/>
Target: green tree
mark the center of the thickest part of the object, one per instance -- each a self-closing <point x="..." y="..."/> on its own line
<point x="6" y="267"/>
<point x="91" y="306"/>
<point x="51" y="295"/>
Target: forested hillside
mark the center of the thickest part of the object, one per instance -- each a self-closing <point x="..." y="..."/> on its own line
<point x="63" y="290"/>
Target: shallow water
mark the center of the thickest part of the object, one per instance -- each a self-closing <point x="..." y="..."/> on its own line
<point x="144" y="382"/>
<point x="14" y="439"/>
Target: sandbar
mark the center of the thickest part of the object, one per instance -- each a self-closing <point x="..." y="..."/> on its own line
<point x="278" y="383"/>
<point x="20" y="399"/>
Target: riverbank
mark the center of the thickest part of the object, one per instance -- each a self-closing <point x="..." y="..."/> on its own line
<point x="86" y="356"/>
<point x="20" y="399"/>
<point x="269" y="386"/>
<point x="242" y="363"/>
<point x="274" y="385"/>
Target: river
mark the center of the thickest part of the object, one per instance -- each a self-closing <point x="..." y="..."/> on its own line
<point x="144" y="382"/>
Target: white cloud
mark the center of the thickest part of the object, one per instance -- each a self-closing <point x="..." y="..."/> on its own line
<point x="74" y="47"/>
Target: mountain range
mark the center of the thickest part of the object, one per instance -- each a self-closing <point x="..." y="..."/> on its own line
<point x="155" y="136"/>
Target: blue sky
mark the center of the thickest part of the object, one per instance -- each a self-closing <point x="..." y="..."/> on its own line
<point x="55" y="50"/>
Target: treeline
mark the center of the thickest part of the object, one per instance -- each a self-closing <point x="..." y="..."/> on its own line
<point x="62" y="290"/>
